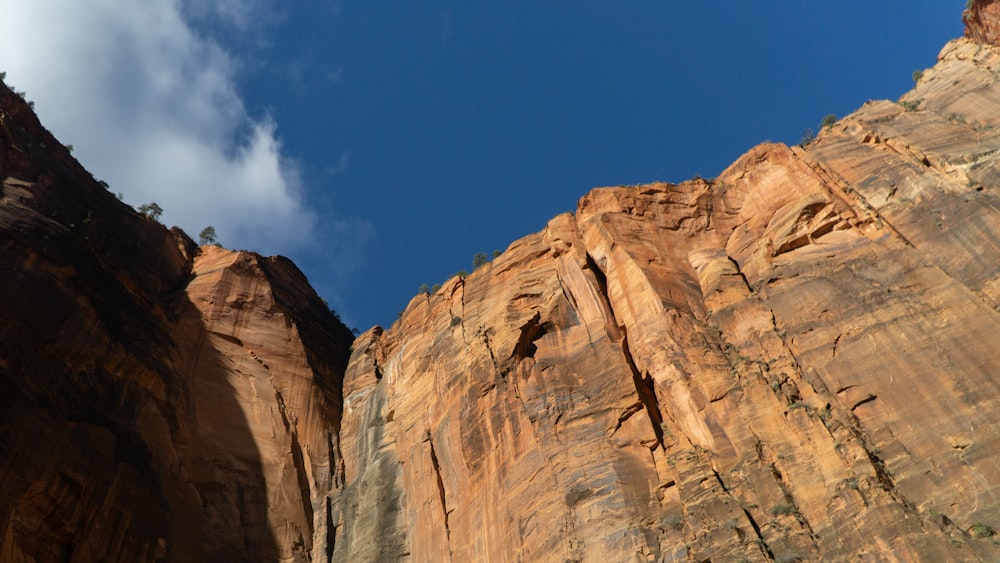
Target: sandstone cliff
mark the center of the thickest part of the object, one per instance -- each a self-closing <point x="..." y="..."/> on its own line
<point x="157" y="401"/>
<point x="793" y="361"/>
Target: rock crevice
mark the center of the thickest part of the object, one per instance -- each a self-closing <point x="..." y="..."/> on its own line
<point x="793" y="361"/>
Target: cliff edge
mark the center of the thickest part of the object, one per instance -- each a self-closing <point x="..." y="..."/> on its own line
<point x="158" y="401"/>
<point x="792" y="361"/>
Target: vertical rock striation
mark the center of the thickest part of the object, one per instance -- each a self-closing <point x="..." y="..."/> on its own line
<point x="265" y="367"/>
<point x="793" y="361"/>
<point x="157" y="401"/>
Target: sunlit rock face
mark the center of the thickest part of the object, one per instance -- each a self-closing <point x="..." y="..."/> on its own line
<point x="797" y="359"/>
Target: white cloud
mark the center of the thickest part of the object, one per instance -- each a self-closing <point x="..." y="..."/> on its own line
<point x="152" y="108"/>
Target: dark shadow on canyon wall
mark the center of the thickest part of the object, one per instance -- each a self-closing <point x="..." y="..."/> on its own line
<point x="100" y="458"/>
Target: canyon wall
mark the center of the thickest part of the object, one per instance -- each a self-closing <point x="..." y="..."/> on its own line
<point x="792" y="361"/>
<point x="157" y="401"/>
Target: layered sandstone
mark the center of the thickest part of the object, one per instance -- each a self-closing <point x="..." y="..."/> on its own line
<point x="158" y="402"/>
<point x="793" y="361"/>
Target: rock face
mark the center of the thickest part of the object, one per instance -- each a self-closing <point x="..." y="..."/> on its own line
<point x="792" y="361"/>
<point x="982" y="21"/>
<point x="157" y="401"/>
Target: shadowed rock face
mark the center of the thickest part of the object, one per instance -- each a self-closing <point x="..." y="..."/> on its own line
<point x="796" y="360"/>
<point x="157" y="401"/>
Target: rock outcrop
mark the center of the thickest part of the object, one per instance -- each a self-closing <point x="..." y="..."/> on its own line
<point x="792" y="361"/>
<point x="982" y="21"/>
<point x="157" y="401"/>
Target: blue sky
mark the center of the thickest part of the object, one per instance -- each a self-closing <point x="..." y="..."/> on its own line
<point x="381" y="144"/>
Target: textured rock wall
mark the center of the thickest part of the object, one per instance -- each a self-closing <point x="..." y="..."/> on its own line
<point x="157" y="401"/>
<point x="264" y="364"/>
<point x="796" y="359"/>
<point x="982" y="21"/>
<point x="793" y="361"/>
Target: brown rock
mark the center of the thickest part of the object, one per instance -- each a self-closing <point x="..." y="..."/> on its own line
<point x="793" y="360"/>
<point x="265" y="405"/>
<point x="157" y="401"/>
<point x="982" y="21"/>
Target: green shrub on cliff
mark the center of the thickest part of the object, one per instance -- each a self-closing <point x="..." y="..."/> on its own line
<point x="207" y="235"/>
<point x="151" y="210"/>
<point x="479" y="259"/>
<point x="807" y="137"/>
<point x="782" y="509"/>
<point x="981" y="531"/>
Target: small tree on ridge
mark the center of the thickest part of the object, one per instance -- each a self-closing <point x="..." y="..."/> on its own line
<point x="207" y="236"/>
<point x="151" y="210"/>
<point x="480" y="259"/>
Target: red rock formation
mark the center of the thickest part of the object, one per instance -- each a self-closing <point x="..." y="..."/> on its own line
<point x="982" y="21"/>
<point x="793" y="361"/>
<point x="157" y="401"/>
<point x="266" y="365"/>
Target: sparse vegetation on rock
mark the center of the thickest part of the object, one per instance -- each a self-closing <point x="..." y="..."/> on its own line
<point x="207" y="236"/>
<point x="981" y="531"/>
<point x="151" y="210"/>
<point x="536" y="430"/>
<point x="782" y="509"/>
<point x="807" y="137"/>
<point x="479" y="259"/>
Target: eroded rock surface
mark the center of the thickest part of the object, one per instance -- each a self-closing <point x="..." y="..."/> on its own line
<point x="158" y="402"/>
<point x="794" y="361"/>
<point x="982" y="21"/>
